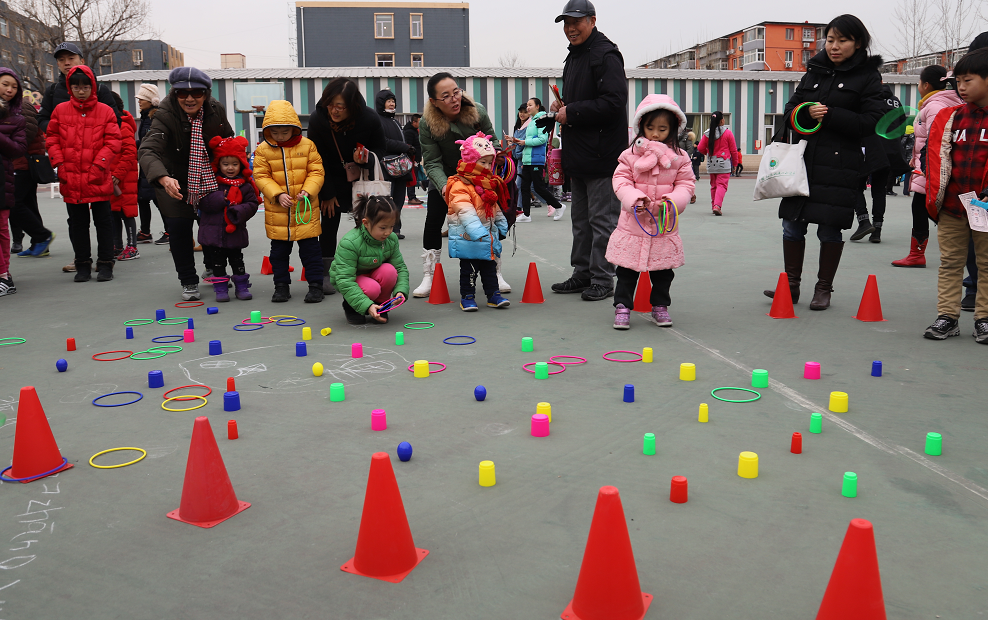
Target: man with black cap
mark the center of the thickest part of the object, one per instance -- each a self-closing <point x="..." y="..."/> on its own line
<point x="594" y="115"/>
<point x="68" y="55"/>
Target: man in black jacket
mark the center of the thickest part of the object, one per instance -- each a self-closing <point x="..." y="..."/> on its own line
<point x="411" y="131"/>
<point x="68" y="55"/>
<point x="594" y="116"/>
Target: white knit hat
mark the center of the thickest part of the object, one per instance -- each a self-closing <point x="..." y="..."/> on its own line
<point x="149" y="92"/>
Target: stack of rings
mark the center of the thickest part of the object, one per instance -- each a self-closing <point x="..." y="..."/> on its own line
<point x="795" y="122"/>
<point x="662" y="224"/>
<point x="184" y="397"/>
<point x="278" y="318"/>
<point x="247" y="326"/>
<point x="64" y="462"/>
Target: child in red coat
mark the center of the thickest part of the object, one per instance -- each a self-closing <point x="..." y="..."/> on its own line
<point x="124" y="202"/>
<point x="84" y="145"/>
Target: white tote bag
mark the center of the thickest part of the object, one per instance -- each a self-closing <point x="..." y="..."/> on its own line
<point x="365" y="186"/>
<point x="782" y="172"/>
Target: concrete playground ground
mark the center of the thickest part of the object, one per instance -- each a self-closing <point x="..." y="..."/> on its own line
<point x="95" y="543"/>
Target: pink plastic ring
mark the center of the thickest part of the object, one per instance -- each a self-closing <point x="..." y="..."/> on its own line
<point x="264" y="318"/>
<point x="628" y="352"/>
<point x="583" y="360"/>
<point x="560" y="364"/>
<point x="412" y="367"/>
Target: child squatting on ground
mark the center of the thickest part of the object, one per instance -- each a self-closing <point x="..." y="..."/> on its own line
<point x="288" y="171"/>
<point x="368" y="268"/>
<point x="223" y="216"/>
<point x="477" y="199"/>
<point x="654" y="181"/>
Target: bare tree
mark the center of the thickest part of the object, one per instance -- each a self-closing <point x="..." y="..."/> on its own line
<point x="510" y="60"/>
<point x="915" y="32"/>
<point x="955" y="24"/>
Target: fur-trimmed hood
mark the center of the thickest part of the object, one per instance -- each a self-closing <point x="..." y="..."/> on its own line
<point x="439" y="124"/>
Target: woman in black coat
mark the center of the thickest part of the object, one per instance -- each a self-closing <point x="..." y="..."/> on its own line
<point x="845" y="87"/>
<point x="394" y="144"/>
<point x="341" y="113"/>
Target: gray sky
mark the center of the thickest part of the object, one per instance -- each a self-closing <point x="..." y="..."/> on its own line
<point x="643" y="30"/>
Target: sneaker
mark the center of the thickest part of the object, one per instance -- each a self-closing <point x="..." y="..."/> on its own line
<point x="559" y="213"/>
<point x="496" y="301"/>
<point x="944" y="327"/>
<point x="143" y="237"/>
<point x="864" y="228"/>
<point x="40" y="250"/>
<point x="129" y="253"/>
<point x="467" y="304"/>
<point x="282" y="293"/>
<point x="16" y="248"/>
<point x="622" y="317"/>
<point x="981" y="331"/>
<point x="550" y="211"/>
<point x="876" y="237"/>
<point x="716" y="211"/>
<point x="163" y="239"/>
<point x="571" y="286"/>
<point x="7" y="286"/>
<point x="890" y="193"/>
<point x="206" y="274"/>
<point x="523" y="218"/>
<point x="967" y="304"/>
<point x="46" y="253"/>
<point x="660" y="314"/>
<point x="190" y="292"/>
<point x="597" y="292"/>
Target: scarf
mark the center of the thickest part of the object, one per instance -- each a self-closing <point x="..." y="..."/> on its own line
<point x="491" y="188"/>
<point x="202" y="180"/>
<point x="343" y="127"/>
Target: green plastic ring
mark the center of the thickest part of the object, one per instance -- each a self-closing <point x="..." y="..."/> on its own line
<point x="154" y="357"/>
<point x="136" y="322"/>
<point x="7" y="344"/>
<point x="727" y="400"/>
<point x="885" y="123"/>
<point x="409" y="325"/>
<point x="162" y="349"/>
<point x="795" y="123"/>
<point x="175" y="320"/>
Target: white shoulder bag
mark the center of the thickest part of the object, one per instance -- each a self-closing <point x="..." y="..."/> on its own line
<point x="782" y="171"/>
<point x="371" y="186"/>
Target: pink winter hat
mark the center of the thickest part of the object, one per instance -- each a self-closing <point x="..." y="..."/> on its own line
<point x="657" y="102"/>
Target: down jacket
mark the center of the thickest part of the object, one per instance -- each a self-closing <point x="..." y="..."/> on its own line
<point x="471" y="235"/>
<point x="533" y="153"/>
<point x="357" y="254"/>
<point x="13" y="138"/>
<point x="394" y="137"/>
<point x="212" y="224"/>
<point x="84" y="144"/>
<point x="929" y="107"/>
<point x="726" y="147"/>
<point x="288" y="169"/>
<point x="32" y="131"/>
<point x="126" y="168"/>
<point x="365" y="129"/>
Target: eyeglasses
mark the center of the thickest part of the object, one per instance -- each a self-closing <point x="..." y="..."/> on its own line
<point x="185" y="93"/>
<point x="453" y="96"/>
<point x="339" y="107"/>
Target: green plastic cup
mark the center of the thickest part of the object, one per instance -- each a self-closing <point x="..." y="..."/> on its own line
<point x="336" y="393"/>
<point x="850" y="487"/>
<point x="255" y="316"/>
<point x="3" y="420"/>
<point x="816" y="422"/>
<point x="759" y="378"/>
<point x="649" y="448"/>
<point x="934" y="444"/>
<point x="527" y="345"/>
<point x="541" y="370"/>
<point x="399" y="338"/>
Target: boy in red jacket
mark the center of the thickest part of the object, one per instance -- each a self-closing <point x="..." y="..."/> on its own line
<point x="84" y="144"/>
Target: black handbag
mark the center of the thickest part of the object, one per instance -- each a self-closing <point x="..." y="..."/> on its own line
<point x="40" y="168"/>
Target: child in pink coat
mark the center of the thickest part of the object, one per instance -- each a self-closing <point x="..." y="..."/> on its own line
<point x="722" y="157"/>
<point x="654" y="182"/>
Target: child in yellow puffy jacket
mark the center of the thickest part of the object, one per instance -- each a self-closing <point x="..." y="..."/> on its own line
<point x="288" y="171"/>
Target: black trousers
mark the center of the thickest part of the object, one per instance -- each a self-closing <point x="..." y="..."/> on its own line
<point x="398" y="197"/>
<point x="144" y="210"/>
<point x="330" y="229"/>
<point x="25" y="216"/>
<point x="488" y="276"/>
<point x="435" y="215"/>
<point x="309" y="250"/>
<point x="79" y="231"/>
<point x="217" y="259"/>
<point x="921" y="219"/>
<point x="530" y="175"/>
<point x="880" y="185"/>
<point x="182" y="241"/>
<point x="627" y="282"/>
<point x="119" y="224"/>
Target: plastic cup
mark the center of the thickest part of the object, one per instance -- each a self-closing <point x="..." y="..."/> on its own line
<point x="379" y="420"/>
<point x="421" y="369"/>
<point x="189" y="335"/>
<point x="70" y="344"/>
<point x="231" y="401"/>
<point x="687" y="372"/>
<point x="629" y="393"/>
<point x="192" y="323"/>
<point x="704" y="413"/>
<point x="876" y="369"/>
<point x="399" y="338"/>
<point x="850" y="486"/>
<point x="934" y="444"/>
<point x="129" y="334"/>
<point x="796" y="447"/>
<point x="300" y="349"/>
<point x="159" y="314"/>
<point x="356" y="350"/>
<point x="545" y="409"/>
<point x="336" y="393"/>
<point x="306" y="333"/>
<point x="215" y="347"/>
<point x="811" y="370"/>
<point x="527" y="345"/>
<point x="231" y="429"/>
<point x="325" y="331"/>
<point x="816" y="423"/>
<point x="541" y="370"/>
<point x="255" y="316"/>
<point x="487" y="477"/>
<point x="540" y="425"/>
<point x="647" y="355"/>
<point x="838" y="402"/>
<point x="156" y="379"/>
<point x="759" y="378"/>
<point x="679" y="490"/>
<point x="212" y="310"/>
<point x="648" y="444"/>
<point x="748" y="465"/>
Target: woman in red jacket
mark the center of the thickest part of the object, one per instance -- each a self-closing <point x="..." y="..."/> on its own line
<point x="124" y="203"/>
<point x="84" y="144"/>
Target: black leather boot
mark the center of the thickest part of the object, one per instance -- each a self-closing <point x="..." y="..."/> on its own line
<point x="792" y="255"/>
<point x="829" y="261"/>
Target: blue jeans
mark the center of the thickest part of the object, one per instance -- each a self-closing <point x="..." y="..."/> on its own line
<point x="796" y="231"/>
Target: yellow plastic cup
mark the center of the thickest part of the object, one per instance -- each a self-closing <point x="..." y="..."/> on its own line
<point x="647" y="355"/>
<point x="545" y="409"/>
<point x="687" y="372"/>
<point x="748" y="465"/>
<point x="317" y="369"/>
<point x="325" y="331"/>
<point x="704" y="413"/>
<point x="306" y="333"/>
<point x="838" y="402"/>
<point x="421" y="369"/>
<point x="487" y="478"/>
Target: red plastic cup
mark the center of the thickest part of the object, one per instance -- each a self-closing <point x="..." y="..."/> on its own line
<point x="679" y="493"/>
<point x="70" y="344"/>
<point x="231" y="384"/>
<point x="231" y="429"/>
<point x="797" y="444"/>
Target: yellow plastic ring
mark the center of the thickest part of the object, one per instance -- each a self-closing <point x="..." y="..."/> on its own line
<point x="185" y="397"/>
<point x="144" y="453"/>
<point x="282" y="316"/>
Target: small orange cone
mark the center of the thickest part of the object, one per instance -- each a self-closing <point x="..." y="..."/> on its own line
<point x="855" y="588"/>
<point x="870" y="309"/>
<point x="439" y="294"/>
<point x="782" y="301"/>
<point x="302" y="277"/>
<point x="533" y="287"/>
<point x="36" y="454"/>
<point x="266" y="269"/>
<point x="385" y="549"/>
<point x="608" y="587"/>
<point x="207" y="495"/>
<point x="643" y="294"/>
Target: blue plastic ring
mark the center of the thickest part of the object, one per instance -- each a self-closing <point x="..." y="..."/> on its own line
<point x="253" y="327"/>
<point x="65" y="462"/>
<point x="472" y="340"/>
<point x="279" y="322"/>
<point x="160" y="341"/>
<point x="140" y="396"/>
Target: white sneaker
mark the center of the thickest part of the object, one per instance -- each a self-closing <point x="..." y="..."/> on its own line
<point x="523" y="218"/>
<point x="559" y="213"/>
<point x="190" y="292"/>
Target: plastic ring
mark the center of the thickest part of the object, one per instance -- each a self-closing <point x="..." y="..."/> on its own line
<point x="160" y="341"/>
<point x="153" y="357"/>
<point x="65" y="462"/>
<point x="114" y="359"/>
<point x="430" y="325"/>
<point x="282" y="316"/>
<point x="204" y="401"/>
<point x="139" y="397"/>
<point x="654" y="223"/>
<point x="189" y="397"/>
<point x="136" y="322"/>
<point x="145" y="453"/>
<point x="279" y="322"/>
<point x="175" y="320"/>
<point x="726" y="400"/>
<point x="472" y="340"/>
<point x="266" y="320"/>
<point x="583" y="360"/>
<point x="162" y="349"/>
<point x="411" y="368"/>
<point x="252" y="327"/>
<point x="7" y="344"/>
<point x="561" y="365"/>
<point x="195" y="304"/>
<point x="211" y="280"/>
<point x="628" y="352"/>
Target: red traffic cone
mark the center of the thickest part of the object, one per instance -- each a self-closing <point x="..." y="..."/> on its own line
<point x="855" y="588"/>
<point x="207" y="496"/>
<point x="231" y="384"/>
<point x="302" y="277"/>
<point x="782" y="301"/>
<point x="385" y="549"/>
<point x="266" y="269"/>
<point x="36" y="454"/>
<point x="291" y="269"/>
<point x="533" y="287"/>
<point x="643" y="293"/>
<point x="439" y="294"/>
<point x="870" y="309"/>
<point x="608" y="588"/>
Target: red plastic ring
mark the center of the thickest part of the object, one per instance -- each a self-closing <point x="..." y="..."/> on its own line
<point x="412" y="367"/>
<point x="114" y="359"/>
<point x="525" y="367"/>
<point x="195" y="304"/>
<point x="180" y="398"/>
<point x="267" y="320"/>
<point x="628" y="352"/>
<point x="583" y="360"/>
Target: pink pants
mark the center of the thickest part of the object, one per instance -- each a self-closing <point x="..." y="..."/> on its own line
<point x="379" y="283"/>
<point x="718" y="188"/>
<point x="4" y="241"/>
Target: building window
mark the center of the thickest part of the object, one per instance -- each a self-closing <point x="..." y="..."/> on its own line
<point x="21" y="60"/>
<point x="754" y="34"/>
<point x="790" y="34"/>
<point x="49" y="73"/>
<point x="418" y="60"/>
<point x="735" y="63"/>
<point x="106" y="60"/>
<point x="3" y="27"/>
<point x="807" y="34"/>
<point x="5" y="56"/>
<point x="19" y="34"/>
<point x="384" y="60"/>
<point x="754" y="56"/>
<point x="138" y="56"/>
<point x="46" y="47"/>
<point x="789" y="57"/>
<point x="415" y="25"/>
<point x="384" y="25"/>
<point x="806" y="56"/>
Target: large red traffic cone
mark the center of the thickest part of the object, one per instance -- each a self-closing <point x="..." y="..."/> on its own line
<point x="643" y="294"/>
<point x="439" y="294"/>
<point x="385" y="549"/>
<point x="782" y="301"/>
<point x="608" y="588"/>
<point x="870" y="309"/>
<point x="855" y="588"/>
<point x="207" y="496"/>
<point x="36" y="454"/>
<point x="266" y="269"/>
<point x="533" y="287"/>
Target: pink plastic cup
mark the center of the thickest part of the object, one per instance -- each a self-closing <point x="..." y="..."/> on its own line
<point x="189" y="335"/>
<point x="379" y="420"/>
<point x="540" y="425"/>
<point x="356" y="350"/>
<point x="811" y="370"/>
